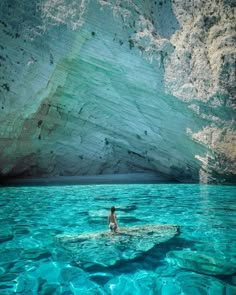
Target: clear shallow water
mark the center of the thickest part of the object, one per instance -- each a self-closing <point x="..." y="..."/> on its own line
<point x="31" y="262"/>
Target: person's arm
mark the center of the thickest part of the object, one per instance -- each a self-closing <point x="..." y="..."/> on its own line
<point x="108" y="220"/>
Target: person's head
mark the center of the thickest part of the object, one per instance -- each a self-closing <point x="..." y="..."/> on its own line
<point x="113" y="209"/>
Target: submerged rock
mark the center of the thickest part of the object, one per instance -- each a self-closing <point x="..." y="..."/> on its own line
<point x="193" y="283"/>
<point x="101" y="215"/>
<point x="106" y="248"/>
<point x="35" y="254"/>
<point x="5" y="236"/>
<point x="140" y="282"/>
<point x="201" y="263"/>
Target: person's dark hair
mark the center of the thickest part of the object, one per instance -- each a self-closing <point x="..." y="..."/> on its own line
<point x="113" y="209"/>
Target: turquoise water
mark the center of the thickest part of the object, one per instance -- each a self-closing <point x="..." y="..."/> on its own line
<point x="200" y="260"/>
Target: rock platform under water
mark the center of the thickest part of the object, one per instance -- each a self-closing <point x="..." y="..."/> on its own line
<point x="106" y="248"/>
<point x="202" y="262"/>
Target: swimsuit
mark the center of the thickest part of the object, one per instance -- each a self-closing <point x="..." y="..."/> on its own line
<point x="112" y="226"/>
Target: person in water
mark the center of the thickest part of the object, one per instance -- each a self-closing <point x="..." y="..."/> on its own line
<point x="112" y="222"/>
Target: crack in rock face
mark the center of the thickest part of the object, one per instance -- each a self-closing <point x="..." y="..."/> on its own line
<point x="111" y="87"/>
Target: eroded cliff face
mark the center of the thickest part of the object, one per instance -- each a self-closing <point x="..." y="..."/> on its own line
<point x="96" y="87"/>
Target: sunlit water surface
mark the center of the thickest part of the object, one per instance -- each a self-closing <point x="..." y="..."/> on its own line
<point x="31" y="262"/>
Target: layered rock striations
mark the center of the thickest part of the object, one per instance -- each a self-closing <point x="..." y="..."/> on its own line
<point x="99" y="87"/>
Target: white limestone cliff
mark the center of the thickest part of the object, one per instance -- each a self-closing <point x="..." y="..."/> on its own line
<point x="96" y="87"/>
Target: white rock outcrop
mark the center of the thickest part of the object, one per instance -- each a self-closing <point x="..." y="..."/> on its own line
<point x="95" y="87"/>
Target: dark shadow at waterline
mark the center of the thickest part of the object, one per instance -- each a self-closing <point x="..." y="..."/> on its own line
<point x="130" y="178"/>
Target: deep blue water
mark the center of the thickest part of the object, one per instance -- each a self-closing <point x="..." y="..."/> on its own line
<point x="32" y="262"/>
